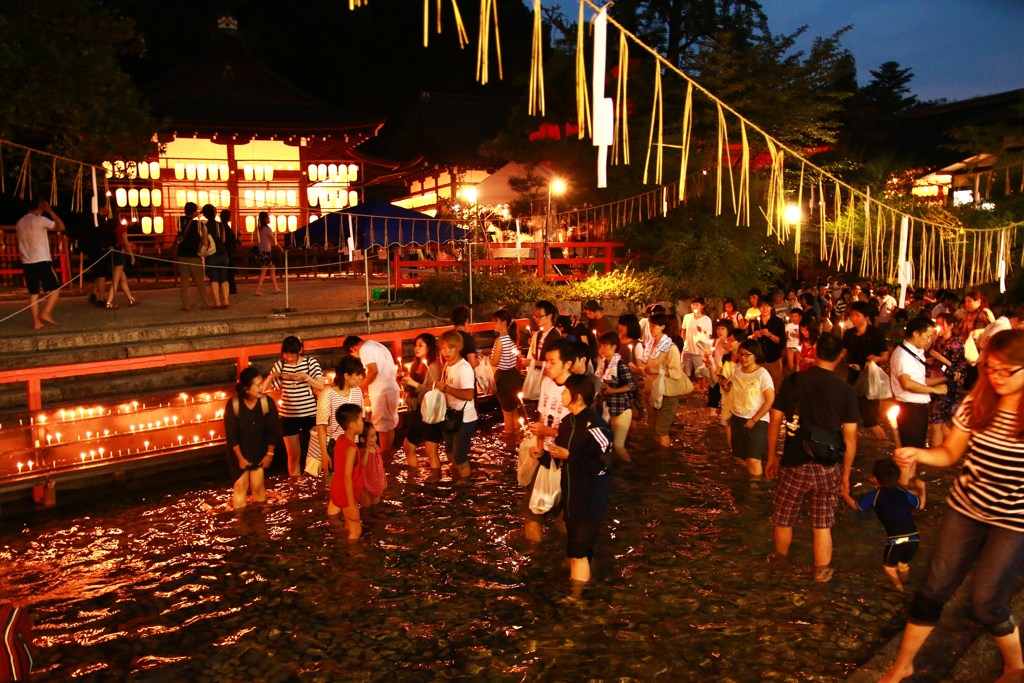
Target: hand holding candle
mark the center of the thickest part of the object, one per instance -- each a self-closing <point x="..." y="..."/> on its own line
<point x="892" y="414"/>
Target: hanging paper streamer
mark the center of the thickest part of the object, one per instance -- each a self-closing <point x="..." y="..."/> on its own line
<point x="1001" y="270"/>
<point x="905" y="271"/>
<point x="604" y="107"/>
<point x="95" y="200"/>
<point x="488" y="13"/>
<point x="582" y="98"/>
<point x="743" y="215"/>
<point x="723" y="145"/>
<point x="657" y="120"/>
<point x="687" y="132"/>
<point x="622" y="104"/>
<point x="536" y="103"/>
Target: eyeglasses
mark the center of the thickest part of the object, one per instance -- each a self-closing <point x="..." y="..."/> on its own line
<point x="1003" y="373"/>
<point x="540" y="315"/>
<point x="743" y="354"/>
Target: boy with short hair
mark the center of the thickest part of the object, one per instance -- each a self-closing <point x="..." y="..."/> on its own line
<point x="793" y="339"/>
<point x="894" y="506"/>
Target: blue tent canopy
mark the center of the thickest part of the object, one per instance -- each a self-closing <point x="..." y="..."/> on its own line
<point x="376" y="223"/>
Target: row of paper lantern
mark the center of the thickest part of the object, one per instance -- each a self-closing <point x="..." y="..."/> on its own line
<point x="151" y="225"/>
<point x="132" y="197"/>
<point x="205" y="171"/>
<point x="336" y="173"/>
<point x="202" y="197"/>
<point x="280" y="223"/>
<point x="259" y="198"/>
<point x="331" y="199"/>
<point x="133" y="169"/>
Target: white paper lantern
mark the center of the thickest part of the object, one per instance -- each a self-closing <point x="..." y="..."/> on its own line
<point x="201" y="171"/>
<point x="353" y="173"/>
<point x="225" y="198"/>
<point x="158" y="225"/>
<point x="143" y="169"/>
<point x="311" y="172"/>
<point x="190" y="171"/>
<point x="268" y="172"/>
<point x="250" y="224"/>
<point x="154" y="170"/>
<point x="249" y="199"/>
<point x="293" y="198"/>
<point x="133" y="197"/>
<point x="121" y="196"/>
<point x="147" y="225"/>
<point x="157" y="197"/>
<point x="179" y="171"/>
<point x="144" y="196"/>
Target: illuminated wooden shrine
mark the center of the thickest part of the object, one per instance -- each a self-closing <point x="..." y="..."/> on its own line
<point x="240" y="137"/>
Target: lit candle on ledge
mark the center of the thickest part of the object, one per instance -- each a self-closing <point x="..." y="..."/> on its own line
<point x="30" y="464"/>
<point x="175" y="420"/>
<point x="37" y="443"/>
<point x="58" y="437"/>
<point x="892" y="414"/>
<point x="101" y="451"/>
<point x="132" y="427"/>
<point x="82" y="456"/>
<point x="145" y="445"/>
<point x="49" y="439"/>
<point x="20" y="465"/>
<point x="179" y="439"/>
<point x="135" y="406"/>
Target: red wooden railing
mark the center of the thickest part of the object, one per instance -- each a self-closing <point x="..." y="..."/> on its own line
<point x="407" y="272"/>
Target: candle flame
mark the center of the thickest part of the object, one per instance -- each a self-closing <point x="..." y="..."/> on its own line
<point x="893" y="413"/>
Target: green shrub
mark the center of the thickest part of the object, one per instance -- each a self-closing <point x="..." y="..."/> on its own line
<point x="626" y="284"/>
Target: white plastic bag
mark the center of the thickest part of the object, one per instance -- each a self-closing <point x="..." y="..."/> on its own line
<point x="658" y="389"/>
<point x="878" y="383"/>
<point x="531" y="385"/>
<point x="485" y="384"/>
<point x="547" y="489"/>
<point x="433" y="407"/>
<point x="527" y="463"/>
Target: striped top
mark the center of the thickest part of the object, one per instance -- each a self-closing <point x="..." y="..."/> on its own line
<point x="297" y="397"/>
<point x="508" y="353"/>
<point x="990" y="487"/>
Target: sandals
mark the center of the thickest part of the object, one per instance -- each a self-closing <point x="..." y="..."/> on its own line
<point x="112" y="305"/>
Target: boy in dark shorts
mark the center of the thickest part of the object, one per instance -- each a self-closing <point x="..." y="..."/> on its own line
<point x="894" y="506"/>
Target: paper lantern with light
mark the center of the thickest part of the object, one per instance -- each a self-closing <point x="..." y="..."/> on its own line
<point x="261" y="198"/>
<point x="133" y="197"/>
<point x="313" y="195"/>
<point x="247" y="171"/>
<point x="353" y="173"/>
<point x="154" y="170"/>
<point x="190" y="171"/>
<point x="191" y="195"/>
<point x="119" y="169"/>
<point x="257" y="172"/>
<point x="268" y="172"/>
<point x="179" y="171"/>
<point x="180" y="197"/>
<point x="224" y="172"/>
<point x="147" y="225"/>
<point x="311" y="172"/>
<point x="250" y="223"/>
<point x="332" y="171"/>
<point x="353" y="197"/>
<point x="204" y="198"/>
<point x="121" y="196"/>
<point x="211" y="171"/>
<point x="200" y="171"/>
<point x="225" y="198"/>
<point x="282" y="197"/>
<point x="156" y="197"/>
<point x="142" y="169"/>
<point x="292" y="197"/>
<point x="249" y="197"/>
<point x="109" y="168"/>
<point x="158" y="225"/>
<point x="321" y="171"/>
<point x="293" y="223"/>
<point x="144" y="196"/>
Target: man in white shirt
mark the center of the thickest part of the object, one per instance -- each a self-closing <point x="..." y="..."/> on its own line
<point x="697" y="329"/>
<point x="559" y="359"/>
<point x="36" y="262"/>
<point x="379" y="385"/>
<point x="886" y="309"/>
<point x="911" y="386"/>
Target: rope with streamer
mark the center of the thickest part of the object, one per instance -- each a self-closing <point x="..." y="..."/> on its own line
<point x="657" y="117"/>
<point x="536" y="103"/>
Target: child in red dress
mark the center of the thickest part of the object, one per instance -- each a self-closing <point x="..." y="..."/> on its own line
<point x="347" y="488"/>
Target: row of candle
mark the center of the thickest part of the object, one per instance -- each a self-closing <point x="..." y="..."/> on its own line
<point x="82" y="413"/>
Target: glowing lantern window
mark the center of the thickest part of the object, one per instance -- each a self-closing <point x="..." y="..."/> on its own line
<point x="158" y="225"/>
<point x="143" y="169"/>
<point x="208" y="171"/>
<point x="204" y="198"/>
<point x="179" y="197"/>
<point x="332" y="170"/>
<point x="250" y="224"/>
<point x="311" y="172"/>
<point x="293" y="223"/>
<point x="258" y="172"/>
<point x="293" y="198"/>
<point x="179" y="171"/>
<point x="147" y="225"/>
<point x="191" y="194"/>
<point x="353" y="173"/>
<point x="133" y="197"/>
<point x="261" y="197"/>
<point x="223" y="171"/>
<point x="282" y="223"/>
<point x="353" y="197"/>
<point x="158" y="197"/>
<point x="144" y="196"/>
<point x="247" y="171"/>
<point x="249" y="203"/>
<point x="190" y="171"/>
<point x="225" y="198"/>
<point x="321" y="171"/>
<point x="268" y="172"/>
<point x="154" y="170"/>
<point x="312" y="195"/>
<point x="282" y="196"/>
<point x="121" y="195"/>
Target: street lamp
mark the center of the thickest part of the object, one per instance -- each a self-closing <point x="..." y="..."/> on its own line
<point x="555" y="187"/>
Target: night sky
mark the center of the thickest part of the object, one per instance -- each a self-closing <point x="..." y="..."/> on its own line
<point x="956" y="49"/>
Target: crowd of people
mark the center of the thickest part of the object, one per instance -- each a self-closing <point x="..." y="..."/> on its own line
<point x="806" y="369"/>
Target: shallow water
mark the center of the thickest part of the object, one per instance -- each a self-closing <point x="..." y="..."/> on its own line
<point x="445" y="586"/>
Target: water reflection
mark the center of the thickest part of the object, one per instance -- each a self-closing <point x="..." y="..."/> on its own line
<point x="444" y="586"/>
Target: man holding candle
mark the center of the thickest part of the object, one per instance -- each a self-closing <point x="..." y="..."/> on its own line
<point x="864" y="342"/>
<point x="911" y="386"/>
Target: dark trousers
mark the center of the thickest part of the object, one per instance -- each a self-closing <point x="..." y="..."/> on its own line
<point x="912" y="423"/>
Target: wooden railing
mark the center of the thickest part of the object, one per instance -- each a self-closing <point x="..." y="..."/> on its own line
<point x="526" y="257"/>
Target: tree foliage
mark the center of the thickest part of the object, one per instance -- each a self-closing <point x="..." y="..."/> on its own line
<point x="64" y="91"/>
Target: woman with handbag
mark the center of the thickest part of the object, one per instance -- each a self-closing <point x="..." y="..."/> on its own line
<point x="345" y="391"/>
<point x="299" y="379"/>
<point x="191" y="235"/>
<point x="424" y="373"/>
<point x="251" y="431"/>
<point x="752" y="392"/>
<point x="584" y="444"/>
<point x="663" y="372"/>
<point x="216" y="263"/>
<point x="120" y="258"/>
<point x="505" y="358"/>
<point x="458" y="384"/>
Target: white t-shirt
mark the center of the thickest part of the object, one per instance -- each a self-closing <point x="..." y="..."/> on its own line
<point x="550" y="405"/>
<point x="461" y="376"/>
<point x="694" y="326"/>
<point x="748" y="392"/>
<point x="33" y="240"/>
<point x="904" y="362"/>
<point x="793" y="336"/>
<point x="886" y="307"/>
<point x="378" y="354"/>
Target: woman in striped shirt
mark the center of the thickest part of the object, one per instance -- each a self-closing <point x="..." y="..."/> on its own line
<point x="505" y="358"/>
<point x="299" y="379"/>
<point x="348" y="375"/>
<point x="985" y="519"/>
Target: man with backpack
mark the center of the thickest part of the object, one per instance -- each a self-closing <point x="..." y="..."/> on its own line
<point x="822" y="417"/>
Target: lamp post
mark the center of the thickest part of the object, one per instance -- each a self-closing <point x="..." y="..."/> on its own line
<point x="557" y="188"/>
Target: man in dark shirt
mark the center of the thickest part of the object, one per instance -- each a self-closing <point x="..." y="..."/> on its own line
<point x="460" y="318"/>
<point x="864" y="342"/>
<point x="597" y="323"/>
<point x="822" y="401"/>
<point x="770" y="331"/>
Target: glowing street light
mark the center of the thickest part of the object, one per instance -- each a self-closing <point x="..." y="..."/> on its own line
<point x="793" y="214"/>
<point x="556" y="187"/>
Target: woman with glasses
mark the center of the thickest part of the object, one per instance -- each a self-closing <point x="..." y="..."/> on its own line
<point x="751" y="392"/>
<point x="984" y="523"/>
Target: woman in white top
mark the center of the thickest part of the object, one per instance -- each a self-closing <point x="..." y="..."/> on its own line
<point x="458" y="383"/>
<point x="263" y="256"/>
<point x="345" y="390"/>
<point x="752" y="392"/>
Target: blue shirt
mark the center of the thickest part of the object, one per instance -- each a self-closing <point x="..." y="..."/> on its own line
<point x="894" y="506"/>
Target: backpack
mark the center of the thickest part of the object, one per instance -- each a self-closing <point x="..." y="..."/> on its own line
<point x="263" y="405"/>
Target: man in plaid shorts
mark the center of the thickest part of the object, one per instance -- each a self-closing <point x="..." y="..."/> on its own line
<point x="822" y="400"/>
